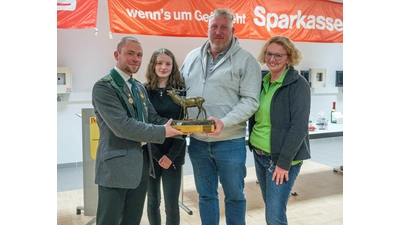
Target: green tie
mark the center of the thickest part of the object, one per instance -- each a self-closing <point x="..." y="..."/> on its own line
<point x="137" y="99"/>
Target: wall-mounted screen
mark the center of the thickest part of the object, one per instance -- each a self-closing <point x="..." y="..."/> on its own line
<point x="306" y="74"/>
<point x="339" y="78"/>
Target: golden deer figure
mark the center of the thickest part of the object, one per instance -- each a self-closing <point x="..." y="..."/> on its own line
<point x="187" y="102"/>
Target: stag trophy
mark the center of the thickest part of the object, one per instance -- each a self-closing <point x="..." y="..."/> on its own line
<point x="186" y="125"/>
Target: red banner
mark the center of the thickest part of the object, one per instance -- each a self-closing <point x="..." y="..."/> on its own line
<point x="300" y="20"/>
<point x="76" y="14"/>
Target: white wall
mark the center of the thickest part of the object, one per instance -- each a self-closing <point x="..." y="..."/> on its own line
<point x="91" y="57"/>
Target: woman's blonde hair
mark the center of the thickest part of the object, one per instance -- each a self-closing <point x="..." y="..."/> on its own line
<point x="293" y="52"/>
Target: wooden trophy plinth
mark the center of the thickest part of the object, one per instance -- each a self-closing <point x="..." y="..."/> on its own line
<point x="193" y="126"/>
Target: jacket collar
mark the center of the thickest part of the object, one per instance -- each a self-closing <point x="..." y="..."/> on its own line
<point x="291" y="76"/>
<point x="118" y="79"/>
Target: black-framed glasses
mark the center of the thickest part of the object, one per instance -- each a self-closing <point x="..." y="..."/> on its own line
<point x="276" y="55"/>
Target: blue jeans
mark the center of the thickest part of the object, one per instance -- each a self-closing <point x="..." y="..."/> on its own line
<point x="275" y="197"/>
<point x="224" y="161"/>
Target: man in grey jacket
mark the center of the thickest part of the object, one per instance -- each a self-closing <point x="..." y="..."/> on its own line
<point x="122" y="160"/>
<point x="229" y="79"/>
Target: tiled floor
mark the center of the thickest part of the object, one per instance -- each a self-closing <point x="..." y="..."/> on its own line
<point x="327" y="151"/>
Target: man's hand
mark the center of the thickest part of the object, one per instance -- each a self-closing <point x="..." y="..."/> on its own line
<point x="169" y="131"/>
<point x="218" y="126"/>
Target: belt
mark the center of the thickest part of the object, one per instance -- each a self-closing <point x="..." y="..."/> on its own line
<point x="261" y="152"/>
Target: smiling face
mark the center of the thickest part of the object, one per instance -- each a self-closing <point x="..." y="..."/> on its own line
<point x="220" y="33"/>
<point x="276" y="66"/>
<point x="163" y="67"/>
<point x="129" y="58"/>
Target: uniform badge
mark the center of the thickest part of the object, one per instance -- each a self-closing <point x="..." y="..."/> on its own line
<point x="130" y="100"/>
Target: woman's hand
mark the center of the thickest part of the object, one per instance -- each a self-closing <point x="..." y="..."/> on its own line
<point x="279" y="175"/>
<point x="165" y="162"/>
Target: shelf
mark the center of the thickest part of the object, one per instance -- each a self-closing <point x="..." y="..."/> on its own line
<point x="327" y="90"/>
<point x="333" y="130"/>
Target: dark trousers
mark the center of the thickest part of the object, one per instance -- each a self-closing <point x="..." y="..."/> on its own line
<point x="171" y="184"/>
<point x="118" y="206"/>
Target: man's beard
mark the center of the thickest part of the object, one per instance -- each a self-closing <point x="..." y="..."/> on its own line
<point x="220" y="47"/>
<point x="128" y="69"/>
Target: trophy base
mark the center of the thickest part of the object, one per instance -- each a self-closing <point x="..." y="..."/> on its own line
<point x="193" y="126"/>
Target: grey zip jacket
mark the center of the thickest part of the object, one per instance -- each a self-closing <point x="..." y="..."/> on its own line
<point x="231" y="90"/>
